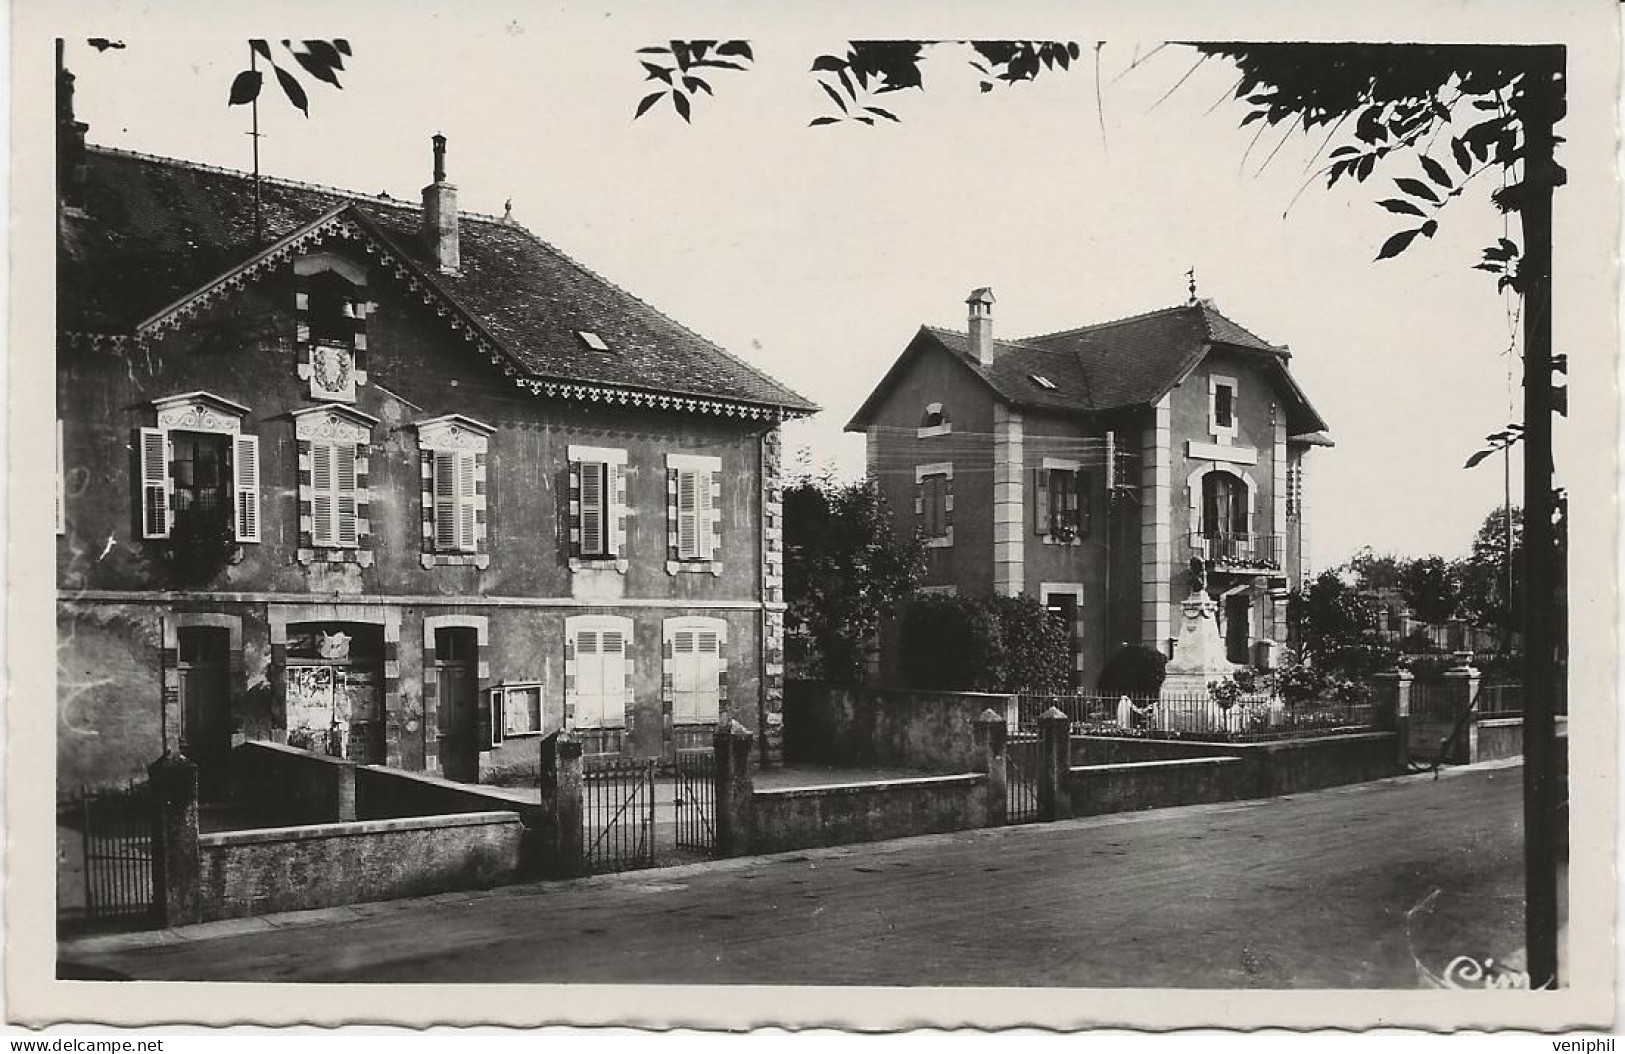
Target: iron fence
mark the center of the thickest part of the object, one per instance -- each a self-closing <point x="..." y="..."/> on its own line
<point x="695" y="799"/>
<point x="1021" y="761"/>
<point x="117" y="831"/>
<point x="618" y="798"/>
<point x="1500" y="700"/>
<point x="1251" y="716"/>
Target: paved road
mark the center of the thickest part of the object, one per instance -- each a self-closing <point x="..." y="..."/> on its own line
<point x="1309" y="891"/>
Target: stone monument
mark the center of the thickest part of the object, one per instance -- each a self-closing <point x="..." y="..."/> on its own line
<point x="1199" y="650"/>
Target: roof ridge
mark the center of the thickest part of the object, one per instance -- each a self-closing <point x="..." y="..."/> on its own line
<point x="1208" y="310"/>
<point x="996" y="340"/>
<point x="1111" y="322"/>
<point x="292" y="184"/>
<point x="573" y="262"/>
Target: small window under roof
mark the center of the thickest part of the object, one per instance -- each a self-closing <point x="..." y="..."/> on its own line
<point x="1042" y="381"/>
<point x="592" y="340"/>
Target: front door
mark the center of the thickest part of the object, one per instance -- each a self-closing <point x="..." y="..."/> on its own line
<point x="206" y="705"/>
<point x="1063" y="608"/>
<point x="456" y="673"/>
<point x="1237" y="616"/>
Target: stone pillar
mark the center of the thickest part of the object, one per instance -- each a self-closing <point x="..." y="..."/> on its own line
<point x="990" y="731"/>
<point x="560" y="815"/>
<point x="771" y="718"/>
<point x="1461" y="681"/>
<point x="1054" y="765"/>
<point x="1009" y="503"/>
<point x="1394" y="702"/>
<point x="735" y="789"/>
<point x="176" y="867"/>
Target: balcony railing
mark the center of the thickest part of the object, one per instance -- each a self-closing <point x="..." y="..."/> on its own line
<point x="1226" y="551"/>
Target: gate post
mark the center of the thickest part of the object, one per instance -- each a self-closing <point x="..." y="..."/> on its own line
<point x="1396" y="708"/>
<point x="176" y="868"/>
<point x="989" y="732"/>
<point x="561" y="815"/>
<point x="1462" y="680"/>
<point x="1054" y="765"/>
<point x="735" y="788"/>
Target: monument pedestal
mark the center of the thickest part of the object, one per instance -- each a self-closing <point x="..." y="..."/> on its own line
<point x="1198" y="652"/>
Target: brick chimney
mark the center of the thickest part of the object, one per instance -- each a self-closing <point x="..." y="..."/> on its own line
<point x="980" y="325"/>
<point x="440" y="214"/>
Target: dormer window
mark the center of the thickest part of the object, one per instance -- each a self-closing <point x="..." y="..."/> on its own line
<point x="592" y="340"/>
<point x="1042" y="381"/>
<point x="934" y="422"/>
<point x="1221" y="409"/>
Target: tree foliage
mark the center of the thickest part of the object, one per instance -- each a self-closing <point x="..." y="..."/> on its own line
<point x="1483" y="573"/>
<point x="1337" y="627"/>
<point x="1431" y="586"/>
<point x="844" y="569"/>
<point x="982" y="644"/>
<point x="321" y="59"/>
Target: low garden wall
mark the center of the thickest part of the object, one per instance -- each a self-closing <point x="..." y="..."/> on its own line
<point x="856" y="726"/>
<point x="324" y="865"/>
<point x="841" y="814"/>
<point x="282" y="786"/>
<point x="1134" y="785"/>
<point x="384" y="793"/>
<point x="1268" y="769"/>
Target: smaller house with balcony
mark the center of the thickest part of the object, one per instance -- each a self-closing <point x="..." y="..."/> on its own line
<point x="1086" y="468"/>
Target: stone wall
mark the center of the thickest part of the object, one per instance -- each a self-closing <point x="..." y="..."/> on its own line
<point x="929" y="731"/>
<point x="842" y="814"/>
<point x="324" y="865"/>
<point x="282" y="786"/>
<point x="383" y="793"/>
<point x="1130" y="786"/>
<point x="1286" y="766"/>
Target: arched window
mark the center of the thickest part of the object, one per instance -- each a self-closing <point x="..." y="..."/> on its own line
<point x="1224" y="506"/>
<point x="934" y="421"/>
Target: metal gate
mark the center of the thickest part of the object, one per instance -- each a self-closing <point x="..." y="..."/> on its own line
<point x="695" y="800"/>
<point x="618" y="814"/>
<point x="117" y="831"/>
<point x="1021" y="760"/>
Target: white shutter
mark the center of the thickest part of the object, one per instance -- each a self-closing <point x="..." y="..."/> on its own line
<point x="613" y="714"/>
<point x="445" y="500"/>
<point x="322" y="505"/>
<point x="245" y="467"/>
<point x="708" y="686"/>
<point x="684" y="677"/>
<point x="710" y="488"/>
<point x="592" y="508"/>
<point x="154" y="483"/>
<point x="616" y="502"/>
<point x="465" y="502"/>
<point x="344" y="492"/>
<point x="688" y="514"/>
<point x="589" y="709"/>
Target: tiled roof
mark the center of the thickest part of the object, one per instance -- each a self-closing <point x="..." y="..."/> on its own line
<point x="156" y="229"/>
<point x="1111" y="365"/>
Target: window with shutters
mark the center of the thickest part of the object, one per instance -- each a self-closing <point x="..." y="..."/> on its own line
<point x="934" y="504"/>
<point x="334" y="444"/>
<point x="694" y="513"/>
<point x="597" y="671"/>
<point x="598" y="508"/>
<point x="197" y="468"/>
<point x="1221" y="408"/>
<point x="455" y="453"/>
<point x="1061" y="502"/>
<point x="694" y="676"/>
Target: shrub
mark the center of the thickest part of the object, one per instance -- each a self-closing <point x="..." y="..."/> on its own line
<point x="982" y="644"/>
<point x="1135" y="670"/>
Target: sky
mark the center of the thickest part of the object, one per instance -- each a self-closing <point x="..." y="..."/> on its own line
<point x="815" y="253"/>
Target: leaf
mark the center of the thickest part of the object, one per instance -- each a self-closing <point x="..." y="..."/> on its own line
<point x="317" y="67"/>
<point x="846" y="82"/>
<point x="1250" y="118"/>
<point x="1477" y="458"/>
<point x="325" y="51"/>
<point x="887" y="114"/>
<point x="262" y="47"/>
<point x="1560" y="364"/>
<point x="654" y="49"/>
<point x="245" y="87"/>
<point x="342" y="45"/>
<point x="736" y="47"/>
<point x="1436" y="172"/>
<point x="828" y="63"/>
<point x="816" y="121"/>
<point x="1367" y="163"/>
<point x="1417" y="189"/>
<point x="679" y="100"/>
<point x="648" y="101"/>
<point x="1464" y="157"/>
<point x="661" y="73"/>
<point x="693" y="83"/>
<point x="1344" y="150"/>
<point x="1560" y="401"/>
<point x="1400" y="205"/>
<point x="1398" y="243"/>
<point x="292" y="89"/>
<point x="865" y="120"/>
<point x="833" y="94"/>
<point x="1430" y="228"/>
<point x="1072" y="49"/>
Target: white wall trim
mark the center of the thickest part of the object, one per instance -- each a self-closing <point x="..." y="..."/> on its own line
<point x="939" y="468"/>
<point x="692" y="462"/>
<point x="601" y="454"/>
<point x="1240" y="455"/>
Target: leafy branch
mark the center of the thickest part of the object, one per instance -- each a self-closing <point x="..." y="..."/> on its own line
<point x="321" y="59"/>
<point x="676" y="65"/>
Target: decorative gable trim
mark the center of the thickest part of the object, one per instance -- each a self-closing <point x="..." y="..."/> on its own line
<point x="199" y="412"/>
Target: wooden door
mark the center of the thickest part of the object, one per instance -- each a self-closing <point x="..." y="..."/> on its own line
<point x="457" y="677"/>
<point x="206" y="705"/>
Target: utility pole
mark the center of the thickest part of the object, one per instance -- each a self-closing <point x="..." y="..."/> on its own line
<point x="254" y="134"/>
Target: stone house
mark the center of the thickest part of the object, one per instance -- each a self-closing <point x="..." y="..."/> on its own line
<point x="1086" y="468"/>
<point x="393" y="481"/>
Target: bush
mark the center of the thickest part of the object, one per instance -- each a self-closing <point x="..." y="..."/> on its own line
<point x="982" y="644"/>
<point x="1135" y="670"/>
